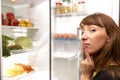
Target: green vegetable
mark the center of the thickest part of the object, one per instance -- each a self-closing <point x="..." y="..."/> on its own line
<point x="6" y="38"/>
<point x="19" y="43"/>
<point x="25" y="42"/>
<point x="5" y="49"/>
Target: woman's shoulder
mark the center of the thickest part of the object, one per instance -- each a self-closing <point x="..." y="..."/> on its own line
<point x="111" y="72"/>
<point x="113" y="69"/>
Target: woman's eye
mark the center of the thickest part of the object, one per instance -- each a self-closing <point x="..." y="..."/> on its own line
<point x="92" y="30"/>
<point x="82" y="33"/>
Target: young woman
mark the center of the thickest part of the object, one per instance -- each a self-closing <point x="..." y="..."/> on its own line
<point x="101" y="48"/>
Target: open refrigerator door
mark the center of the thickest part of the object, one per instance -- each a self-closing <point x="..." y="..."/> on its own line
<point x="34" y="40"/>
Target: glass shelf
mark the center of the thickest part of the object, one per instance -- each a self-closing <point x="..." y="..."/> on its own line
<point x="65" y="55"/>
<point x="18" y="27"/>
<point x="82" y="13"/>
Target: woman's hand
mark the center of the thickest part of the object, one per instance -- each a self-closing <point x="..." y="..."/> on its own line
<point x="87" y="67"/>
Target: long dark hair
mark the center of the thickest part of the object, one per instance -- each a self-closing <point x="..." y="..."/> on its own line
<point x="111" y="50"/>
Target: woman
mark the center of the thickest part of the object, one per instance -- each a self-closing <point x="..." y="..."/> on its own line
<point x="101" y="43"/>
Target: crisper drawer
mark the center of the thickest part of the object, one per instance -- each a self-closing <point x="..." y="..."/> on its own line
<point x="65" y="69"/>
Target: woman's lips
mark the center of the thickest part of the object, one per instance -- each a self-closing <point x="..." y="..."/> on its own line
<point x="85" y="45"/>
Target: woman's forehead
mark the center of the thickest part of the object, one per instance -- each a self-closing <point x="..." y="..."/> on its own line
<point x="90" y="26"/>
<point x="83" y="25"/>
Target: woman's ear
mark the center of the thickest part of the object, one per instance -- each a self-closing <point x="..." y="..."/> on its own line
<point x="108" y="40"/>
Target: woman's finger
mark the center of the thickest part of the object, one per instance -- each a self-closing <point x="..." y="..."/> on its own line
<point x="87" y="56"/>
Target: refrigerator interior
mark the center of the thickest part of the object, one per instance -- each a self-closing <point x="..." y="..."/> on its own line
<point x="37" y="57"/>
<point x="63" y="67"/>
<point x="65" y="54"/>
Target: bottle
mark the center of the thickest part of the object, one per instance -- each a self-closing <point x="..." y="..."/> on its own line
<point x="81" y="6"/>
<point x="74" y="6"/>
<point x="66" y="6"/>
<point x="58" y="7"/>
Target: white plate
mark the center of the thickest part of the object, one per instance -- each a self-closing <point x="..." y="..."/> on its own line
<point x="21" y="51"/>
<point x="11" y="61"/>
<point x="7" y="77"/>
<point x="17" y="51"/>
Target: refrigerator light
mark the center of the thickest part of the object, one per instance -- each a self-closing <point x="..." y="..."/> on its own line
<point x="13" y="0"/>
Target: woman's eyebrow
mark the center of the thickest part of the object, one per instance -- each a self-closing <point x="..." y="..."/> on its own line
<point x="81" y="27"/>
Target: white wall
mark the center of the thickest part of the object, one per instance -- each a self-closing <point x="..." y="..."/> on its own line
<point x="116" y="11"/>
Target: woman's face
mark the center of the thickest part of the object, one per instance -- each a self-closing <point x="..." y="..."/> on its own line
<point x="93" y="38"/>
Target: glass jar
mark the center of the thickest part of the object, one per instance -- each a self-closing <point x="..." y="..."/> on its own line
<point x="74" y="6"/>
<point x="66" y="8"/>
<point x="58" y="8"/>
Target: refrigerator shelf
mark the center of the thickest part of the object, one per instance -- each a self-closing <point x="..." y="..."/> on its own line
<point x="65" y="39"/>
<point x="22" y="51"/>
<point x="82" y="13"/>
<point x="65" y="55"/>
<point x="18" y="27"/>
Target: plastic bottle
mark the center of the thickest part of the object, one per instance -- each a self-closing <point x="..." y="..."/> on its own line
<point x="81" y="6"/>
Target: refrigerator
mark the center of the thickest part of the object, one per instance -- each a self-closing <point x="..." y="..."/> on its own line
<point x="56" y="51"/>
<point x="37" y="57"/>
<point x="65" y="38"/>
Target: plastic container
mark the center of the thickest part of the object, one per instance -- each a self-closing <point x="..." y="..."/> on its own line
<point x="81" y="6"/>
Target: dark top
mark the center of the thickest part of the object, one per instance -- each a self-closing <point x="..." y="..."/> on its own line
<point x="109" y="73"/>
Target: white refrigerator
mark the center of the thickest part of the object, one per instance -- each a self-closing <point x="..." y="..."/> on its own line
<point x="38" y="57"/>
<point x="56" y="58"/>
<point x="66" y="51"/>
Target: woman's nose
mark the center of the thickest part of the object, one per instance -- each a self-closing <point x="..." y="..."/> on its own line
<point x="84" y="36"/>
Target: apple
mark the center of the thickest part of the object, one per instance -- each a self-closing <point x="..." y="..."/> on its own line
<point x="10" y="16"/>
<point x="9" y="23"/>
<point x="4" y="22"/>
<point x="2" y="15"/>
<point x="14" y="22"/>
